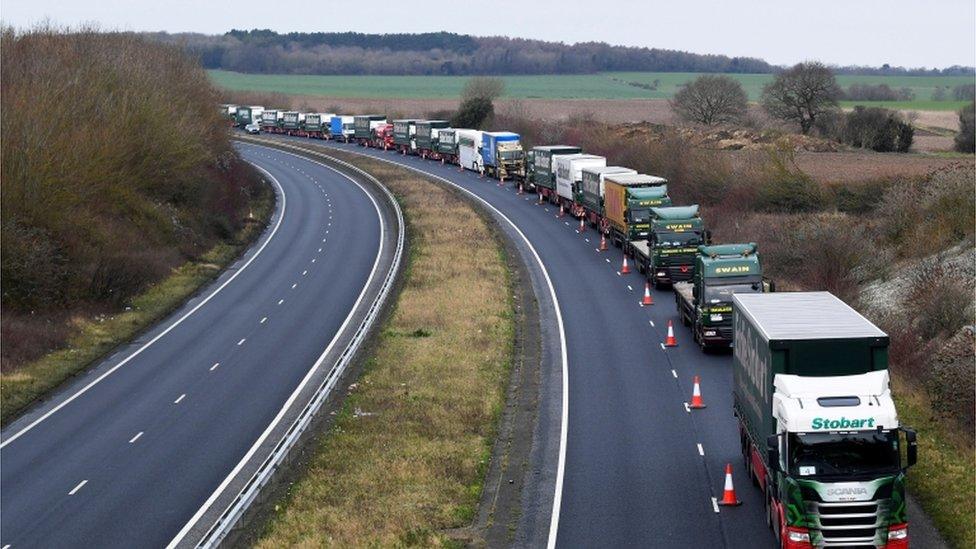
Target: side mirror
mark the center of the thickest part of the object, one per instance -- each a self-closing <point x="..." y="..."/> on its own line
<point x="772" y="451"/>
<point x="708" y="236"/>
<point x="911" y="439"/>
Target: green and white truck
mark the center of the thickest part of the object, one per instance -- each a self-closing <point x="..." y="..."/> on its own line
<point x="819" y="430"/>
<point x="668" y="254"/>
<point x="541" y="168"/>
<point x="363" y="126"/>
<point x="404" y="135"/>
<point x="705" y="302"/>
<point x="627" y="203"/>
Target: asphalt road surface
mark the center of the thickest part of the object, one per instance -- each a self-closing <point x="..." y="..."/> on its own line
<point x="126" y="461"/>
<point x="640" y="470"/>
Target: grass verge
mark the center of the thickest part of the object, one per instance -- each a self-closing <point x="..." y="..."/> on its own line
<point x="406" y="457"/>
<point x="93" y="338"/>
<point x="943" y="479"/>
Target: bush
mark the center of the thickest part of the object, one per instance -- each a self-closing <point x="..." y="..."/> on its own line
<point x="878" y="129"/>
<point x="473" y="113"/>
<point x="964" y="92"/>
<point x="965" y="140"/>
<point x="784" y="187"/>
<point x="877" y="92"/>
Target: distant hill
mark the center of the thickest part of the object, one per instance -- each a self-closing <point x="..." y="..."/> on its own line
<point x="445" y="53"/>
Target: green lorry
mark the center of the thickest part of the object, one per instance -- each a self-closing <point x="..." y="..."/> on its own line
<point x="818" y="428"/>
<point x="627" y="203"/>
<point x="404" y="135"/>
<point x="541" y="168"/>
<point x="668" y="254"/>
<point x="705" y="302"/>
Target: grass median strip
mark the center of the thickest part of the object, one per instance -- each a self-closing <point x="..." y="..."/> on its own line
<point x="94" y="337"/>
<point x="405" y="460"/>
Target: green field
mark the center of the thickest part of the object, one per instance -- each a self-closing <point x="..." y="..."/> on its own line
<point x="611" y="85"/>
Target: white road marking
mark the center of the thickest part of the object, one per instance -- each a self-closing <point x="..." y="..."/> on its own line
<point x="137" y="352"/>
<point x="76" y="488"/>
<point x="629" y="287"/>
<point x="675" y="374"/>
<point x="177" y="401"/>
<point x="313" y="260"/>
<point x="294" y="285"/>
<point x="280" y="301"/>
<point x="566" y="222"/>
<point x="135" y="438"/>
<point x="263" y="320"/>
<point x="6" y="546"/>
<point x="652" y="323"/>
<point x="715" y="505"/>
<point x="305" y="272"/>
<point x="618" y="273"/>
<point x="214" y="367"/>
<point x="318" y="363"/>
<point x="586" y="239"/>
<point x="323" y="240"/>
<point x="607" y="259"/>
<point x="241" y="342"/>
<point x="701" y="451"/>
<point x="320" y="249"/>
<point x="663" y="347"/>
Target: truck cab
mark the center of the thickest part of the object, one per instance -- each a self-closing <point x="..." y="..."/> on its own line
<point x="502" y="155"/>
<point x="705" y="302"/>
<point x="676" y="233"/>
<point x="404" y="135"/>
<point x="627" y="203"/>
<point x="819" y="430"/>
<point x="382" y="136"/>
<point x="428" y="132"/>
<point x="364" y="126"/>
<point x="469" y="150"/>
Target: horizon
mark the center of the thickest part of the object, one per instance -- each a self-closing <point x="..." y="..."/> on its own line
<point x="871" y="33"/>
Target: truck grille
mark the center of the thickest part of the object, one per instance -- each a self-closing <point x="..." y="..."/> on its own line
<point x="681" y="273"/>
<point x="849" y="523"/>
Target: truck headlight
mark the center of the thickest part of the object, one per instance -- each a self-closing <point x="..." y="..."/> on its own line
<point x="662" y="274"/>
<point x="709" y="333"/>
<point x="798" y="536"/>
<point x="898" y="531"/>
<point x="716" y="318"/>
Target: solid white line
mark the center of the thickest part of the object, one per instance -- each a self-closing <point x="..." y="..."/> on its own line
<point x="564" y="419"/>
<point x="675" y="374"/>
<point x="76" y="488"/>
<point x="135" y="438"/>
<point x="315" y="367"/>
<point x="263" y="320"/>
<point x="137" y="352"/>
<point x="177" y="401"/>
<point x="715" y="505"/>
<point x="701" y="451"/>
<point x="241" y="342"/>
<point x="214" y="367"/>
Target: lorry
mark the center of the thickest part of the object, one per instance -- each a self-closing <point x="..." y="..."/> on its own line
<point x="317" y="124"/>
<point x="627" y="203"/>
<point x="427" y="135"/>
<point x="541" y="171"/>
<point x="591" y="197"/>
<point x="291" y="122"/>
<point x="818" y="428"/>
<point x="270" y="120"/>
<point x="363" y="126"/>
<point x="668" y="254"/>
<point x="705" y="301"/>
<point x="341" y="128"/>
<point x="404" y="132"/>
<point x="382" y="137"/>
<point x="447" y="145"/>
<point x="469" y="150"/>
<point x="249" y="114"/>
<point x="569" y="179"/>
<point x="229" y="111"/>
<point x="502" y="155"/>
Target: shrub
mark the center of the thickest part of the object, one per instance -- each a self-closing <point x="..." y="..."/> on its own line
<point x="784" y="187"/>
<point x="878" y="129"/>
<point x="964" y="92"/>
<point x="473" y="113"/>
<point x="876" y="92"/>
<point x="965" y="140"/>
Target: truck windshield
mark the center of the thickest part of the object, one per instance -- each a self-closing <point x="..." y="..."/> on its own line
<point x="843" y="454"/>
<point x="510" y="155"/>
<point x="722" y="293"/>
<point x="640" y="215"/>
<point x="677" y="240"/>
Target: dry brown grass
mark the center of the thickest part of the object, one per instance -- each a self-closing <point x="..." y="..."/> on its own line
<point x="406" y="458"/>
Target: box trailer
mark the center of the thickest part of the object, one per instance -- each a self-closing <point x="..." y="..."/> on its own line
<point x="317" y="124"/>
<point x="291" y="122"/>
<point x="249" y="114"/>
<point x="569" y="179"/>
<point x="270" y="120"/>
<point x="627" y="203"/>
<point x="427" y="136"/>
<point x="341" y="128"/>
<point x="817" y="424"/>
<point x="469" y="150"/>
<point x="542" y="178"/>
<point x="447" y="145"/>
<point x="404" y="135"/>
<point x="363" y="126"/>
<point x="592" y="181"/>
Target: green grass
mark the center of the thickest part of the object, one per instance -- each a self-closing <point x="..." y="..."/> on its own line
<point x="95" y="337"/>
<point x="612" y="85"/>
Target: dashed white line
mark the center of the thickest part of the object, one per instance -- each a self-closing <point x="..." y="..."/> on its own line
<point x="607" y="259"/>
<point x="652" y="323"/>
<point x="280" y="301"/>
<point x="715" y="505"/>
<point x="135" y="438"/>
<point x="701" y="451"/>
<point x="663" y="347"/>
<point x="320" y="249"/>
<point x="76" y="488"/>
<point x="323" y="240"/>
<point x="675" y="374"/>
<point x="687" y="409"/>
<point x="214" y="367"/>
<point x="294" y="285"/>
<point x="305" y="272"/>
<point x="241" y="342"/>
<point x="629" y="287"/>
<point x="5" y="546"/>
<point x="586" y="239"/>
<point x="313" y="260"/>
<point x="177" y="401"/>
<point x="263" y="320"/>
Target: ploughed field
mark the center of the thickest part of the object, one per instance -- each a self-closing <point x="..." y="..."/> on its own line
<point x="610" y="85"/>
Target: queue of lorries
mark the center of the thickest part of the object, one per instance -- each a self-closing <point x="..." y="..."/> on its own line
<point x="818" y="428"/>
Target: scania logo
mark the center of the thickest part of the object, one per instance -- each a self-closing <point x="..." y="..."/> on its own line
<point x="854" y="491"/>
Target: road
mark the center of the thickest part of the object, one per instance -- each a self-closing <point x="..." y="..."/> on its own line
<point x="639" y="470"/>
<point x="127" y="460"/>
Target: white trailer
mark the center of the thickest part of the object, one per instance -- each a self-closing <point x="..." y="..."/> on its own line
<point x="469" y="150"/>
<point x="569" y="178"/>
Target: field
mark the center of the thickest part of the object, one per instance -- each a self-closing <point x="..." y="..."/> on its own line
<point x="612" y="85"/>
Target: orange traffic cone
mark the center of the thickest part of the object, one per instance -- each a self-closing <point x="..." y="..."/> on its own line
<point x="603" y="242"/>
<point x="696" y="398"/>
<point x="561" y="212"/>
<point x="541" y="201"/>
<point x="521" y="190"/>
<point x="582" y="226"/>
<point x="625" y="269"/>
<point x="728" y="496"/>
<point x="670" y="341"/>
<point x="648" y="300"/>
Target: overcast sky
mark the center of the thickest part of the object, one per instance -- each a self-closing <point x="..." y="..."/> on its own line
<point x="911" y="33"/>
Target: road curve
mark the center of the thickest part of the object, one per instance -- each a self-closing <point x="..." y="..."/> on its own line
<point x="129" y="453"/>
<point x="640" y="470"/>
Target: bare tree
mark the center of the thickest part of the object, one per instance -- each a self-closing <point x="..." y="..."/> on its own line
<point x="483" y="87"/>
<point x="710" y="99"/>
<point x="801" y="94"/>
